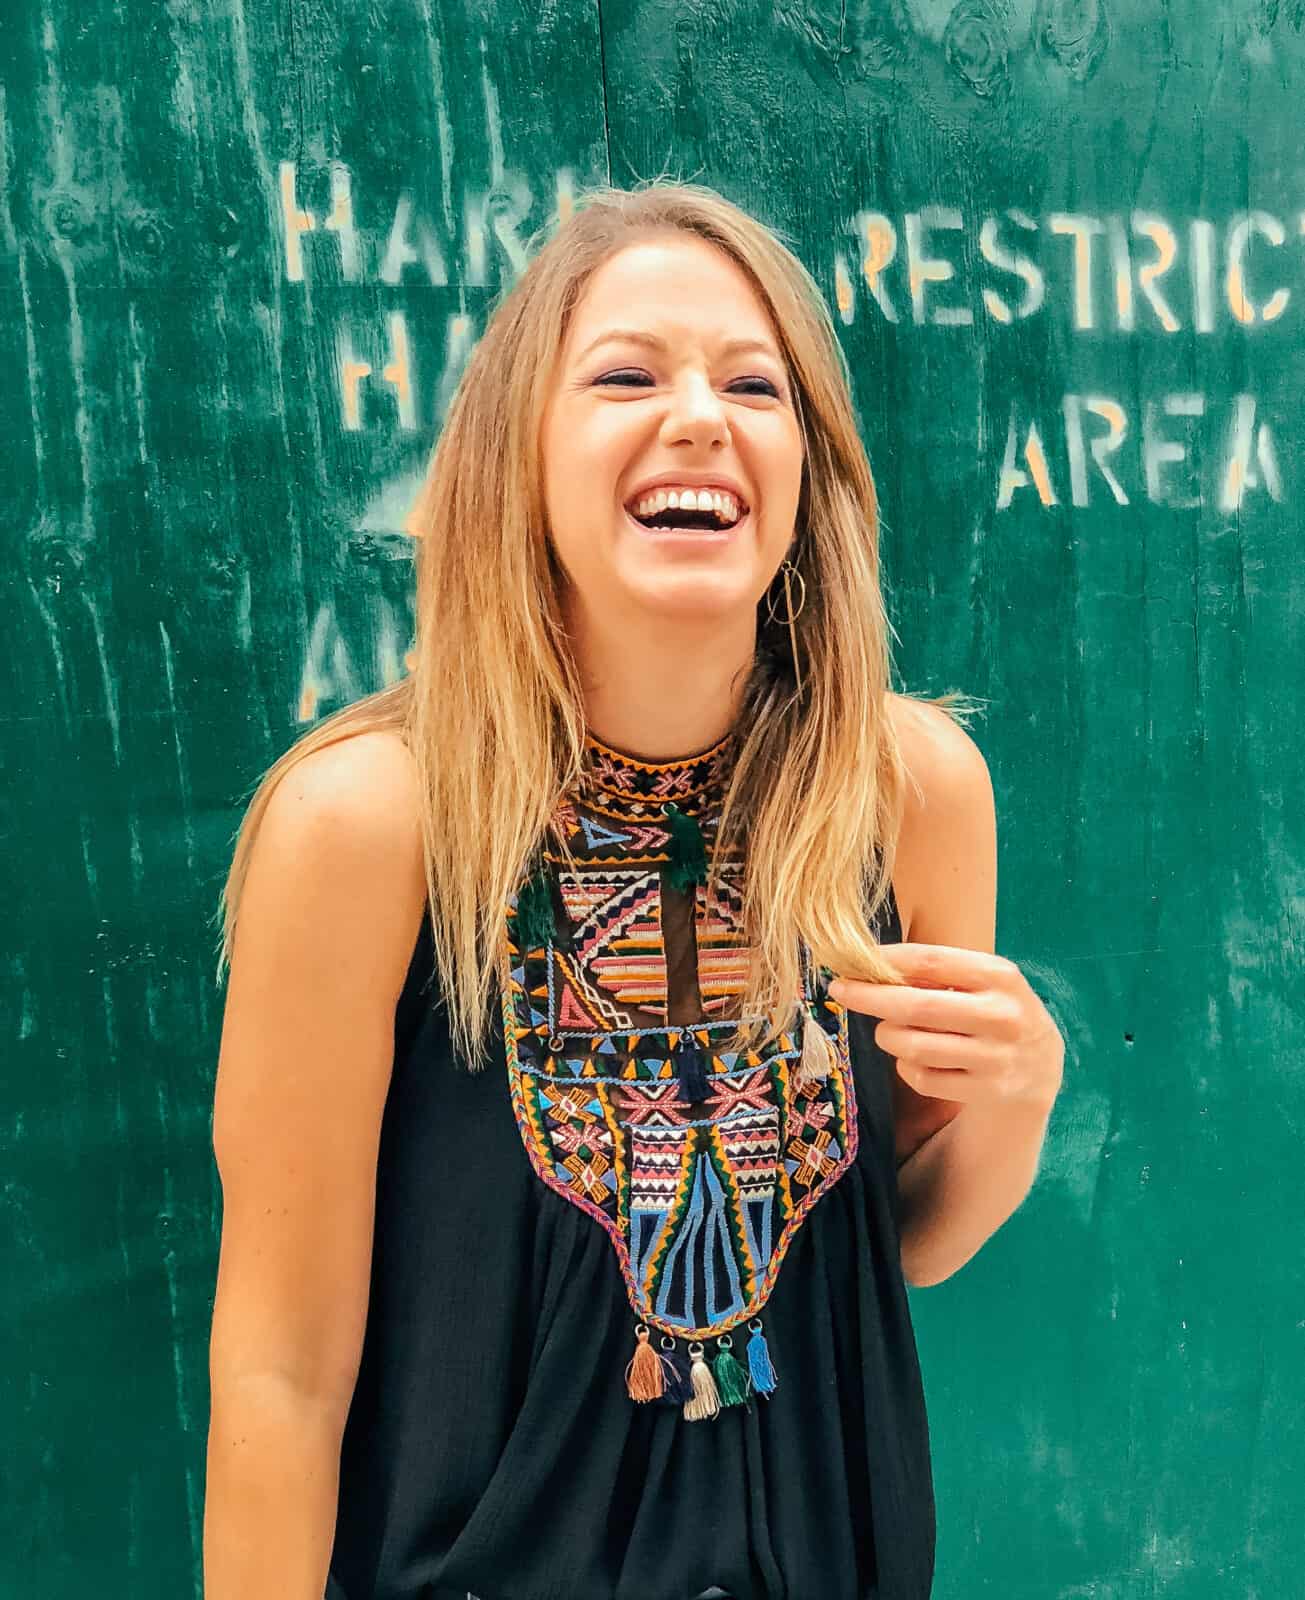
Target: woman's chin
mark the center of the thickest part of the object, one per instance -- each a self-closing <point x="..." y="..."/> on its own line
<point x="700" y="593"/>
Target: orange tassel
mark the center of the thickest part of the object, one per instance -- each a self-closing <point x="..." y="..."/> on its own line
<point x="645" y="1377"/>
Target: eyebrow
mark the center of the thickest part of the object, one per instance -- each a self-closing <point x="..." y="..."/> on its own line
<point x="638" y="336"/>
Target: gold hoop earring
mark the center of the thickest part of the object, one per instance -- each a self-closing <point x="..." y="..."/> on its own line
<point x="787" y="567"/>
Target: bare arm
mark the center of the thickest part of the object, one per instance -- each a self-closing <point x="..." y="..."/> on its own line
<point x="327" y="923"/>
<point x="928" y="886"/>
<point x="961" y="1170"/>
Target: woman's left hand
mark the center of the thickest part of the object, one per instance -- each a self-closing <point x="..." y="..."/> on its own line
<point x="966" y="1026"/>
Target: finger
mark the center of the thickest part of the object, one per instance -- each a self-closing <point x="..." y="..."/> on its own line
<point x="955" y="1086"/>
<point x="946" y="1051"/>
<point x="924" y="1048"/>
<point x="942" y="1010"/>
<point x="946" y="966"/>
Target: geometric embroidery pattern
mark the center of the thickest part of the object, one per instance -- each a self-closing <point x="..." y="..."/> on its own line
<point x="701" y="1201"/>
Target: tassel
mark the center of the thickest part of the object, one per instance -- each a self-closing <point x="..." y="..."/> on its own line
<point x="706" y="1401"/>
<point x="760" y="1370"/>
<point x="731" y="1378"/>
<point x="535" y="923"/>
<point x="679" y="1386"/>
<point x="688" y="854"/>
<point x="817" y="1052"/>
<point x="645" y="1377"/>
<point x="691" y="1069"/>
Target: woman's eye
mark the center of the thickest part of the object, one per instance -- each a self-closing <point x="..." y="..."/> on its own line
<point x="628" y="376"/>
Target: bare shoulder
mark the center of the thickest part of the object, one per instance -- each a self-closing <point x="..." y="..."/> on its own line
<point x="945" y="879"/>
<point x="932" y="741"/>
<point x="341" y="836"/>
<point x="366" y="776"/>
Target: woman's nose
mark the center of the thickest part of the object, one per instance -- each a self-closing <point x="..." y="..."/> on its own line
<point x="695" y="404"/>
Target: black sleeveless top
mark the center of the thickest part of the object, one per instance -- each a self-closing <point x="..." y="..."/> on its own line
<point x="612" y="1183"/>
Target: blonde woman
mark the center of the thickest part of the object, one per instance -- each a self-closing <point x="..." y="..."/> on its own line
<point x="565" y="1239"/>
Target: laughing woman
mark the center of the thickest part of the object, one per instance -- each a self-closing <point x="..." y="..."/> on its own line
<point x="613" y="1029"/>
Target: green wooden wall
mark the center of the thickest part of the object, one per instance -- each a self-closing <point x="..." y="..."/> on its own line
<point x="245" y="249"/>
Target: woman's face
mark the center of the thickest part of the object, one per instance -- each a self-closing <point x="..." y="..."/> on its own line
<point x="678" y="404"/>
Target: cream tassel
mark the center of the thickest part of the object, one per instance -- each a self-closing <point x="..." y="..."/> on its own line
<point x="817" y="1052"/>
<point x="706" y="1397"/>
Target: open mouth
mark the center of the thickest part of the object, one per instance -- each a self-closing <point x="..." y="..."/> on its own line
<point x="714" y="533"/>
<point x="671" y="522"/>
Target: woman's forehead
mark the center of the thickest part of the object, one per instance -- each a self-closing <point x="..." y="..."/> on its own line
<point x="669" y="285"/>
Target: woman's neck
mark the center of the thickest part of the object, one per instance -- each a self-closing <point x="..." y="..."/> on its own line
<point x="663" y="692"/>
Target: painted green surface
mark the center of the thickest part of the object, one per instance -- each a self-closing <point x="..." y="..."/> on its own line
<point x="212" y="217"/>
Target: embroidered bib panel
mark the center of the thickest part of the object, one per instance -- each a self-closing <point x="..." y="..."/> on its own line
<point x="701" y="1174"/>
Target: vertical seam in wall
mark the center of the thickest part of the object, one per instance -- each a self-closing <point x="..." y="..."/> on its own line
<point x="602" y="76"/>
<point x="298" y="76"/>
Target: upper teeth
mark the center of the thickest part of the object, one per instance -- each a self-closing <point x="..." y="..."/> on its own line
<point x="724" y="505"/>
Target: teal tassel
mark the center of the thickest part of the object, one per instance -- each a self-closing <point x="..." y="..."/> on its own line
<point x="731" y="1379"/>
<point x="688" y="863"/>
<point x="760" y="1370"/>
<point x="535" y="923"/>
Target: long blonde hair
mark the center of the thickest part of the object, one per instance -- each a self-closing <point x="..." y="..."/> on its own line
<point x="492" y="710"/>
